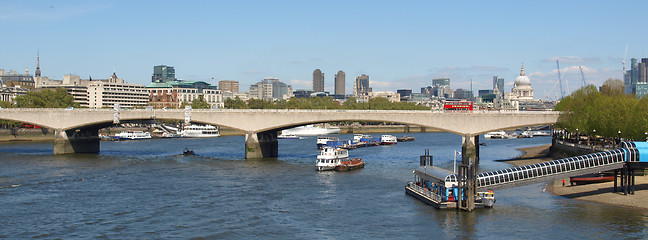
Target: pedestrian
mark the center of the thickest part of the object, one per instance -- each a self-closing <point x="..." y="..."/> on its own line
<point x="563" y="182"/>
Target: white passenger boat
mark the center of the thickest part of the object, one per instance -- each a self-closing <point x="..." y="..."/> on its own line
<point x="132" y="135"/>
<point x="321" y="141"/>
<point x="496" y="135"/>
<point x="337" y="159"/>
<point x="541" y="133"/>
<point x="200" y="131"/>
<point x="311" y="130"/>
<point x="288" y="136"/>
<point x="357" y="137"/>
<point x="388" y="140"/>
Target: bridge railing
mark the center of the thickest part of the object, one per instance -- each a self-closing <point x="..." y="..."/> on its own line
<point x="279" y="110"/>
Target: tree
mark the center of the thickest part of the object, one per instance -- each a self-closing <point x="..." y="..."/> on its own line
<point x="607" y="112"/>
<point x="235" y="103"/>
<point x="4" y="104"/>
<point x="613" y="87"/>
<point x="200" y="103"/>
<point x="47" y="98"/>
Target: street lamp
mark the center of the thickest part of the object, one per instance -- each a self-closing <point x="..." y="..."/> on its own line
<point x="577" y="136"/>
<point x="646" y="134"/>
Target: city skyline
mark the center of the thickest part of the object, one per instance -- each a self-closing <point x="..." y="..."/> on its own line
<point x="401" y="45"/>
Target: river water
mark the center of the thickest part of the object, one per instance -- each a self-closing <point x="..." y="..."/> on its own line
<point x="144" y="189"/>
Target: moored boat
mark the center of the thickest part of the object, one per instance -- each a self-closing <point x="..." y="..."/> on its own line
<point x="496" y="135"/>
<point x="288" y="136"/>
<point x="322" y="141"/>
<point x="337" y="159"/>
<point x="200" y="131"/>
<point x="132" y="135"/>
<point x="311" y="130"/>
<point x="405" y="139"/>
<point x="438" y="187"/>
<point x="388" y="140"/>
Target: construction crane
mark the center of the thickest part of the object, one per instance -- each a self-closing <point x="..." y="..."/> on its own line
<point x="562" y="94"/>
<point x="624" y="58"/>
<point x="582" y="76"/>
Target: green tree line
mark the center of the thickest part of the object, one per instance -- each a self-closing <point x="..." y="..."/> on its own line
<point x="322" y="103"/>
<point x="604" y="113"/>
<point x="48" y="98"/>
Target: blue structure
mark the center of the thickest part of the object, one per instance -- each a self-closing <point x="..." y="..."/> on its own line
<point x="431" y="187"/>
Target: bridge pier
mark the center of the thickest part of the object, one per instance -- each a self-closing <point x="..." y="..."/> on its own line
<point x="83" y="140"/>
<point x="468" y="170"/>
<point x="260" y="145"/>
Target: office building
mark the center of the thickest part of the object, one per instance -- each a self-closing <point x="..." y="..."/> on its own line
<point x="361" y="85"/>
<point x="340" y="80"/>
<point x="270" y="89"/>
<point x="405" y="94"/>
<point x="498" y="83"/>
<point x="13" y="79"/>
<point x="105" y="94"/>
<point x="318" y="81"/>
<point x="174" y="93"/>
<point x="441" y="82"/>
<point x="163" y="73"/>
<point x="463" y="94"/>
<point x="228" y="85"/>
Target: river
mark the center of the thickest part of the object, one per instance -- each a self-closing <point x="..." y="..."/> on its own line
<point x="145" y="189"/>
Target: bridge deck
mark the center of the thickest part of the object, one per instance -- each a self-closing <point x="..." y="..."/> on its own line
<point x="562" y="168"/>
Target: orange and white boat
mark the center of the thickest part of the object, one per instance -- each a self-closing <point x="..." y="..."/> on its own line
<point x="337" y="159"/>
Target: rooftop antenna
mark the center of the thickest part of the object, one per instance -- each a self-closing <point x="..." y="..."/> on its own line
<point x="562" y="94"/>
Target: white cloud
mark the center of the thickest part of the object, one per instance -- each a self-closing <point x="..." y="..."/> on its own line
<point x="575" y="60"/>
<point x="301" y="84"/>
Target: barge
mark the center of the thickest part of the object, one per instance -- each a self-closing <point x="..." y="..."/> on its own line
<point x="438" y="187"/>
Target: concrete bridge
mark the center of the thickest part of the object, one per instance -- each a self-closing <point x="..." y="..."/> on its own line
<point x="77" y="130"/>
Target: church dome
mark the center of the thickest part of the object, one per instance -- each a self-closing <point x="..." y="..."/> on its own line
<point x="522" y="80"/>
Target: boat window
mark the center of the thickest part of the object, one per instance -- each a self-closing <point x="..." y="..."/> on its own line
<point x="544" y="171"/>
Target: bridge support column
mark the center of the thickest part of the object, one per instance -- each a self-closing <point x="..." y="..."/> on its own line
<point x="470" y="162"/>
<point x="84" y="140"/>
<point x="260" y="145"/>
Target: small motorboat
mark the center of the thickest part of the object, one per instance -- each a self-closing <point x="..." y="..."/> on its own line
<point x="187" y="152"/>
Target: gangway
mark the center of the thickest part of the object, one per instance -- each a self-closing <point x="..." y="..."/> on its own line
<point x="564" y="168"/>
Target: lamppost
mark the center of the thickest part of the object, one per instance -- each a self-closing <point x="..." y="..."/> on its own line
<point x="577" y="136"/>
<point x="594" y="135"/>
<point x="646" y="134"/>
<point x="619" y="140"/>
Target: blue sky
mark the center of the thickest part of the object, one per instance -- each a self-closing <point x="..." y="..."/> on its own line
<point x="399" y="44"/>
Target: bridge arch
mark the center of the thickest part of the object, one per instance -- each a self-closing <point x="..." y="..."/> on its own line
<point x="262" y="125"/>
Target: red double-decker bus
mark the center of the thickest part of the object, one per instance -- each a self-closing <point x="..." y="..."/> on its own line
<point x="458" y="105"/>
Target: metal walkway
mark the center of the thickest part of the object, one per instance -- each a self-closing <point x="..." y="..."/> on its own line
<point x="563" y="168"/>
